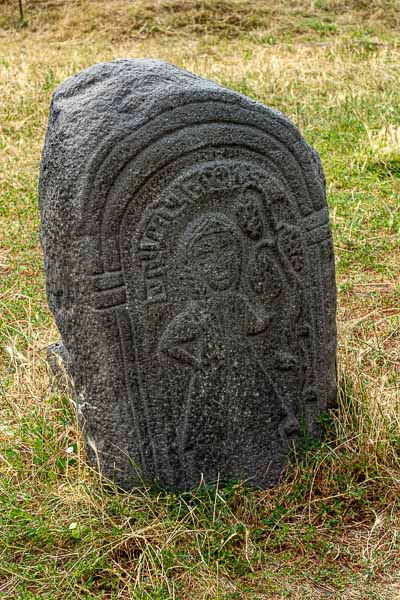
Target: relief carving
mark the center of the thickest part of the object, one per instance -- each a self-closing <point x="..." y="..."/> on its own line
<point x="212" y="336"/>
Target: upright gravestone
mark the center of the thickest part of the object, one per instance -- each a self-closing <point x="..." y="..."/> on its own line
<point x="190" y="271"/>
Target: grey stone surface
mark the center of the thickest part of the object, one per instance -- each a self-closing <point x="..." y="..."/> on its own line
<point x="190" y="270"/>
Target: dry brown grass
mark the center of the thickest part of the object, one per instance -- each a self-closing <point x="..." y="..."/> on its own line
<point x="259" y="19"/>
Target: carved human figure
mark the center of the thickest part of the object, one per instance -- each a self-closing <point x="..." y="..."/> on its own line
<point x="230" y="400"/>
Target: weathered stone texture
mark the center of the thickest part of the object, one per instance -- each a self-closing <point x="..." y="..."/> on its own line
<point x="190" y="271"/>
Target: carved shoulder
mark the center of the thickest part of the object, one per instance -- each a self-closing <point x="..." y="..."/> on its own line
<point x="255" y="319"/>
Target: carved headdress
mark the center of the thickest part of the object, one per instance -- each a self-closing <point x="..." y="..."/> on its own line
<point x="207" y="224"/>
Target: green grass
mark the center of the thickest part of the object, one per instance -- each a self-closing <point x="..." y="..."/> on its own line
<point x="331" y="529"/>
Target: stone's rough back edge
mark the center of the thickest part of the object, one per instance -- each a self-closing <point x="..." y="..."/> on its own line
<point x="58" y="361"/>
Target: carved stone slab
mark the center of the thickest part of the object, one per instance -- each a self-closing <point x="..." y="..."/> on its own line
<point x="190" y="271"/>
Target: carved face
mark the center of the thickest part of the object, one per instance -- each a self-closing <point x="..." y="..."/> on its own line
<point x="216" y="260"/>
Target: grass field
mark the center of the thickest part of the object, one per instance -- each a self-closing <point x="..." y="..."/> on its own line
<point x="332" y="528"/>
